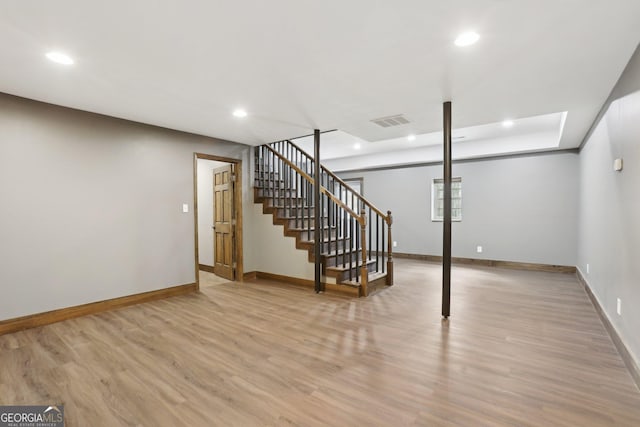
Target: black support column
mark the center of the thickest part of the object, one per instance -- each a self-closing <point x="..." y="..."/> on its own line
<point x="316" y="202"/>
<point x="446" y="240"/>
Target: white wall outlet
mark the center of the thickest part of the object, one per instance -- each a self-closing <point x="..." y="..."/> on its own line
<point x="619" y="307"/>
<point x="479" y="249"/>
<point x="185" y="208"/>
<point x="395" y="244"/>
<point x="587" y="268"/>
<point x="617" y="165"/>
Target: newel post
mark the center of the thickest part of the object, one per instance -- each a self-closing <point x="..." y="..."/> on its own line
<point x="364" y="271"/>
<point x="390" y="251"/>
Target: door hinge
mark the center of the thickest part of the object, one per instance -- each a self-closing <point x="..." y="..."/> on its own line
<point x="233" y="177"/>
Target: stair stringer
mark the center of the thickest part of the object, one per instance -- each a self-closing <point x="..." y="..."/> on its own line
<point x="285" y="232"/>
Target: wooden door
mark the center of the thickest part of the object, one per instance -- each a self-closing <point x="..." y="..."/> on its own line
<point x="224" y="221"/>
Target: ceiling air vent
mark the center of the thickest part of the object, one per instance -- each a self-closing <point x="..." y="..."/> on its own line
<point x="390" y="121"/>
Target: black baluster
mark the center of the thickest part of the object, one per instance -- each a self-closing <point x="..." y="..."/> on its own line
<point x="350" y="247"/>
<point x="377" y="240"/>
<point x="291" y="184"/>
<point x="370" y="228"/>
<point x="343" y="218"/>
<point x="273" y="178"/>
<point x="333" y="229"/>
<point x="383" y="245"/>
<point x="308" y="210"/>
<point x="357" y="246"/>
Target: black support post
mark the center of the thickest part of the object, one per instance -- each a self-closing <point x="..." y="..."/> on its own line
<point x="446" y="241"/>
<point x="316" y="207"/>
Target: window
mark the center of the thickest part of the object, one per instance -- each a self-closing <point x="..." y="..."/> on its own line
<point x="437" y="199"/>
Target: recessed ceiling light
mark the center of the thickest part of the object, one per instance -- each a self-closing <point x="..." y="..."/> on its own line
<point x="411" y="137"/>
<point x="467" y="39"/>
<point x="239" y="113"/>
<point x="507" y="123"/>
<point x="60" y="58"/>
<point x="356" y="146"/>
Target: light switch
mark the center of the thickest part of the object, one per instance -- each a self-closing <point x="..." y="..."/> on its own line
<point x="185" y="207"/>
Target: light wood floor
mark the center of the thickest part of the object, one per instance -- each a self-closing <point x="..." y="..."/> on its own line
<point x="209" y="279"/>
<point x="521" y="349"/>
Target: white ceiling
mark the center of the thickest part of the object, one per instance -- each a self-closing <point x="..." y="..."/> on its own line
<point x="298" y="65"/>
<point x="524" y="135"/>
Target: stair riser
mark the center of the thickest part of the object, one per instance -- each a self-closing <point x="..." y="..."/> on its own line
<point x="289" y="202"/>
<point x="304" y="223"/>
<point x="267" y="167"/>
<point x="282" y="201"/>
<point x="259" y="175"/>
<point x="334" y="259"/>
<point x="279" y="198"/>
<point x="277" y="176"/>
<point x="290" y="209"/>
<point x="309" y="245"/>
<point x="303" y="212"/>
<point x="276" y="182"/>
<point x="325" y="234"/>
<point x="260" y="184"/>
<point x="279" y="192"/>
<point x="344" y="275"/>
<point x="306" y="213"/>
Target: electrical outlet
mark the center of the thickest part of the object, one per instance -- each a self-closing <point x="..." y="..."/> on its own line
<point x="395" y="244"/>
<point x="587" y="268"/>
<point x="619" y="307"/>
<point x="479" y="249"/>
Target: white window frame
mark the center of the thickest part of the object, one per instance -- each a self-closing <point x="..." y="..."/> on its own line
<point x="439" y="182"/>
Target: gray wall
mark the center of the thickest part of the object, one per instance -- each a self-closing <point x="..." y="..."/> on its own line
<point x="609" y="226"/>
<point x="271" y="251"/>
<point x="92" y="206"/>
<point x="517" y="208"/>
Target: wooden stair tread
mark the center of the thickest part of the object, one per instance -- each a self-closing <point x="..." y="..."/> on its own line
<point x="281" y="197"/>
<point x="340" y="239"/>
<point x="347" y="267"/>
<point x="312" y="229"/>
<point x="370" y="278"/>
<point x="340" y="252"/>
<point x="303" y="216"/>
<point x="293" y="218"/>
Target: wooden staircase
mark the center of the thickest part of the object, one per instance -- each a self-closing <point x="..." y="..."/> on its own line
<point x="355" y="237"/>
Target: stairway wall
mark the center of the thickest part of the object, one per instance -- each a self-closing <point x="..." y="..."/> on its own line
<point x="267" y="249"/>
<point x="270" y="250"/>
